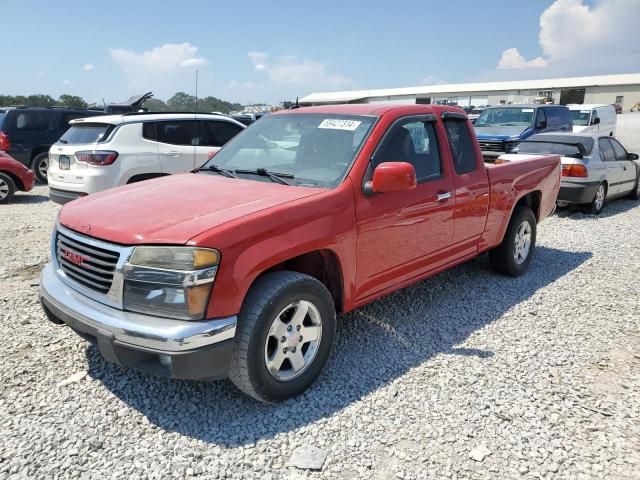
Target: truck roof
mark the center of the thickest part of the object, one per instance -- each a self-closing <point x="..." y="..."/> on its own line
<point x="377" y="109"/>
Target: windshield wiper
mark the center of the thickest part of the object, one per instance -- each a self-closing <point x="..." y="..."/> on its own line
<point x="273" y="176"/>
<point x="222" y="171"/>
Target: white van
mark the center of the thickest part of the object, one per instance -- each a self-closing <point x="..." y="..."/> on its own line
<point x="599" y="119"/>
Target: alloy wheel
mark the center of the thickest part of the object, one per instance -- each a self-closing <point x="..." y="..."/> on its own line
<point x="293" y="340"/>
<point x="522" y="243"/>
<point x="4" y="189"/>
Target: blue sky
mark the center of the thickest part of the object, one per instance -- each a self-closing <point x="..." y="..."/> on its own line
<point x="257" y="51"/>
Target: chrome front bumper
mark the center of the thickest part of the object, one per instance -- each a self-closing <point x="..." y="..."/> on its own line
<point x="118" y="334"/>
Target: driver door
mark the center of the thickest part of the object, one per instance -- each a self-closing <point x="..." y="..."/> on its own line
<point x="405" y="234"/>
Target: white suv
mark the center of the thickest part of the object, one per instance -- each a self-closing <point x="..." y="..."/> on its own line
<point x="97" y="153"/>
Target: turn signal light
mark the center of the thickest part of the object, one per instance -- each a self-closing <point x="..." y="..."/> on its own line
<point x="97" y="157"/>
<point x="574" y="170"/>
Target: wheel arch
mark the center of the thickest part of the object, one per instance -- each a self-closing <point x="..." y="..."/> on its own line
<point x="145" y="176"/>
<point x="16" y="180"/>
<point x="531" y="200"/>
<point x="35" y="151"/>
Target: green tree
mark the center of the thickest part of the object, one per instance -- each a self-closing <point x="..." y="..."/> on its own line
<point x="40" y="100"/>
<point x="182" y="102"/>
<point x="155" y="105"/>
<point x="72" y="101"/>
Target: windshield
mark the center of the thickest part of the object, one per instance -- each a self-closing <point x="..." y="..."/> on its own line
<point x="553" y="148"/>
<point x="505" y="117"/>
<point x="580" y="117"/>
<point x="316" y="149"/>
<point x="86" y="133"/>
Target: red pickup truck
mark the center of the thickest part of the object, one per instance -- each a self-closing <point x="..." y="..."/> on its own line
<point x="239" y="269"/>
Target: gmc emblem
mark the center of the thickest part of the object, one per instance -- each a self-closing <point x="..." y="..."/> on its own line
<point x="74" y="257"/>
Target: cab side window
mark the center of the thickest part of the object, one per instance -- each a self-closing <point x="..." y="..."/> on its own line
<point x="541" y="118"/>
<point x="462" y="146"/>
<point x="606" y="150"/>
<point x="414" y="143"/>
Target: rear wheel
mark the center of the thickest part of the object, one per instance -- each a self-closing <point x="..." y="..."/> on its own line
<point x="7" y="188"/>
<point x="513" y="256"/>
<point x="596" y="206"/>
<point x="285" y="333"/>
<point x="39" y="166"/>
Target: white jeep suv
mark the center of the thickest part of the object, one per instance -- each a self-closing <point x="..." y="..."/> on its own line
<point x="97" y="153"/>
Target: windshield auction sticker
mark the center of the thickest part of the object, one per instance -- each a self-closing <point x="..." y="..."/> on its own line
<point x="337" y="124"/>
<point x="527" y="110"/>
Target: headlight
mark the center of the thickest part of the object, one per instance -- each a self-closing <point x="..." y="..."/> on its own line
<point x="508" y="146"/>
<point x="173" y="282"/>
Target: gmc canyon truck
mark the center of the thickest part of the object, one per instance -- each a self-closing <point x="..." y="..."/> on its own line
<point x="238" y="270"/>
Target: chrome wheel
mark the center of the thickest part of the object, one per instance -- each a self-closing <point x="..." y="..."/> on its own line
<point x="522" y="243"/>
<point x="43" y="166"/>
<point x="598" y="202"/>
<point x="4" y="189"/>
<point x="293" y="340"/>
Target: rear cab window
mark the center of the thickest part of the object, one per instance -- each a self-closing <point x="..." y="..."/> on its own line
<point x="462" y="145"/>
<point x="86" y="133"/>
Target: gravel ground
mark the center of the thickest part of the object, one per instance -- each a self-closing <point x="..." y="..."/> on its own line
<point x="466" y="375"/>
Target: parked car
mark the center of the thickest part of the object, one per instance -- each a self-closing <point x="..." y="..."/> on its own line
<point x="14" y="177"/>
<point x="598" y="119"/>
<point x="595" y="167"/>
<point x="501" y="128"/>
<point x="27" y="133"/>
<point x="238" y="270"/>
<point x="475" y="112"/>
<point x="105" y="152"/>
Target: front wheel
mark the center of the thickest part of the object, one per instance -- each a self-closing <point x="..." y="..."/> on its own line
<point x="286" y="329"/>
<point x="40" y="165"/>
<point x="513" y="256"/>
<point x="635" y="193"/>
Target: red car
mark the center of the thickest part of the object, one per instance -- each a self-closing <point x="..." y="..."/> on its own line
<point x="239" y="269"/>
<point x="14" y="176"/>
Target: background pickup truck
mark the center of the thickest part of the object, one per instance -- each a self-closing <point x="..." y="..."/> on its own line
<point x="238" y="270"/>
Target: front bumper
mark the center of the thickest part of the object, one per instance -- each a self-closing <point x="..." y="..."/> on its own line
<point x="577" y="193"/>
<point x="177" y="348"/>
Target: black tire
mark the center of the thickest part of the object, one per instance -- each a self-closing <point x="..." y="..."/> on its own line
<point x="503" y="258"/>
<point x="267" y="298"/>
<point x="7" y="188"/>
<point x="596" y="206"/>
<point x="39" y="166"/>
<point x="635" y="193"/>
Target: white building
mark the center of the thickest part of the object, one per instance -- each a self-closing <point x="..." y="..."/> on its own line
<point x="623" y="89"/>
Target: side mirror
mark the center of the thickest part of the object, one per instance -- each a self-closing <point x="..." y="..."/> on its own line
<point x="595" y="121"/>
<point x="633" y="156"/>
<point x="392" y="177"/>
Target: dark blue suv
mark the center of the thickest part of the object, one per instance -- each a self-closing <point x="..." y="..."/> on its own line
<point x="500" y="129"/>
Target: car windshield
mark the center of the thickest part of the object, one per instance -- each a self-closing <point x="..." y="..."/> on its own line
<point x="580" y="117"/>
<point x="311" y="149"/>
<point x="86" y="133"/>
<point x="553" y="148"/>
<point x="505" y="117"/>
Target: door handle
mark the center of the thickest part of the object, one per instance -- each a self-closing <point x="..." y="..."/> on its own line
<point x="442" y="196"/>
<point x="172" y="153"/>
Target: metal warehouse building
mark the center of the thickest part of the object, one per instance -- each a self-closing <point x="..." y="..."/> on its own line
<point x="623" y="89"/>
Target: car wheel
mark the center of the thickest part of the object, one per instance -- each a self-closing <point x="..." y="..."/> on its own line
<point x="596" y="206"/>
<point x="284" y="337"/>
<point x="7" y="188"/>
<point x="635" y="193"/>
<point x="39" y="166"/>
<point x="513" y="256"/>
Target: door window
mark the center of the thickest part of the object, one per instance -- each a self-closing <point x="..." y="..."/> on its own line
<point x="606" y="150"/>
<point x="462" y="145"/>
<point x="618" y="150"/>
<point x="414" y="143"/>
<point x="219" y="132"/>
<point x="178" y="132"/>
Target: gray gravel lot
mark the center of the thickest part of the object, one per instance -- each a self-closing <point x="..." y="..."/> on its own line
<point x="535" y="377"/>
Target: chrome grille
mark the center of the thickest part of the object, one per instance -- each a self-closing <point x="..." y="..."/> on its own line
<point x="85" y="264"/>
<point x="492" y="145"/>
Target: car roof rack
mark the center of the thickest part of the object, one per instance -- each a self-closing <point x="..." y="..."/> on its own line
<point x="128" y="114"/>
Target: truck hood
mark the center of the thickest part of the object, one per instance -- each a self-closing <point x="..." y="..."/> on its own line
<point x="173" y="209"/>
<point x="499" y="133"/>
